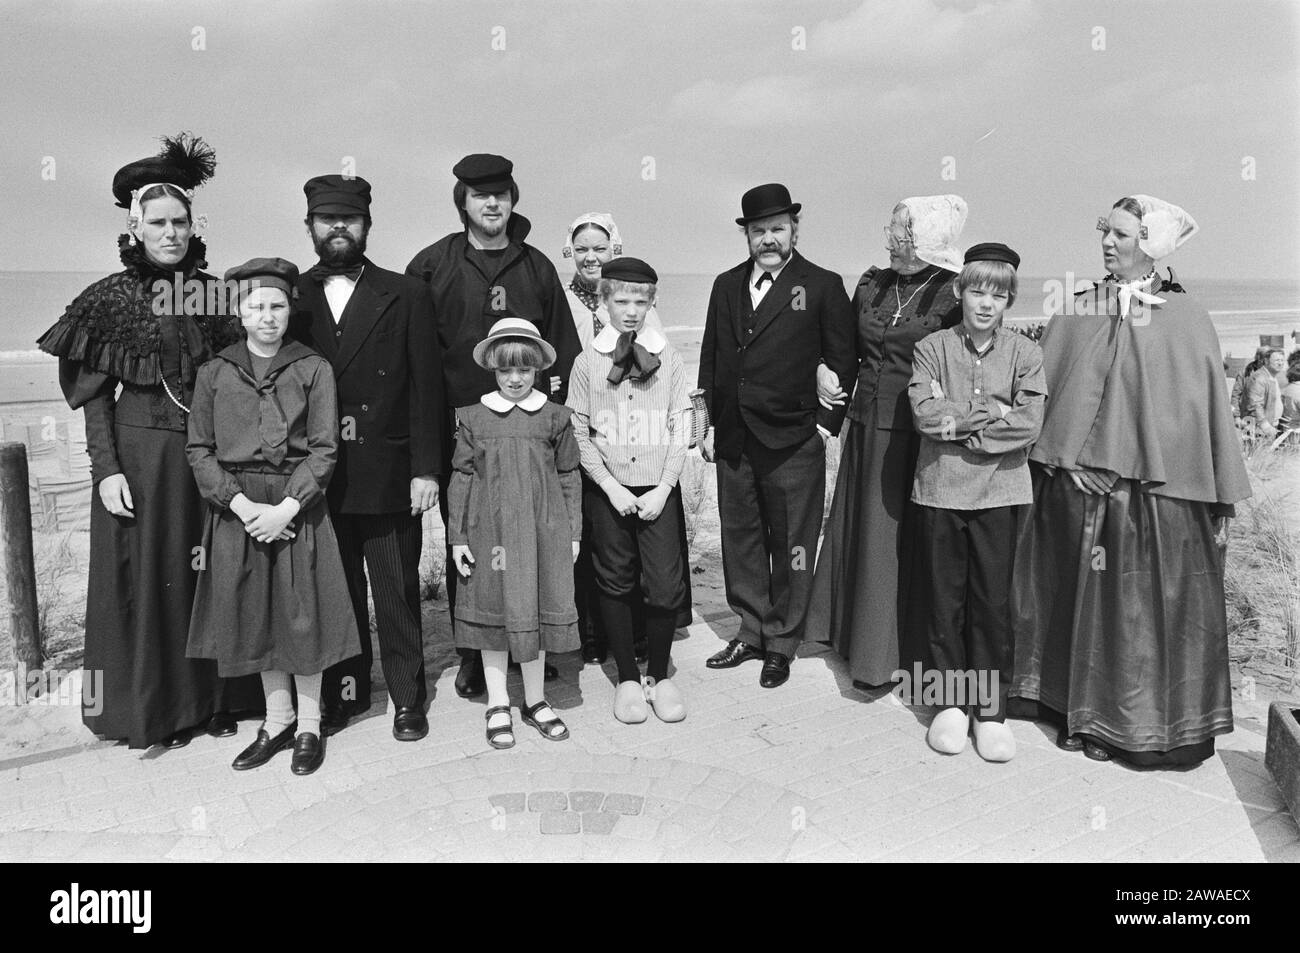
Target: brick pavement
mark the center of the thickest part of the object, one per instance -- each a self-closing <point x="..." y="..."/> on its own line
<point x="813" y="771"/>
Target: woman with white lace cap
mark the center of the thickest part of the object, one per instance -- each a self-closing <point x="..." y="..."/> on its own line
<point x="860" y="589"/>
<point x="1118" y="599"/>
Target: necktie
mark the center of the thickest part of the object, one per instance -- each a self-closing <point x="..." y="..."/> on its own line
<point x="320" y="272"/>
<point x="765" y="276"/>
<point x="272" y="425"/>
<point x="631" y="361"/>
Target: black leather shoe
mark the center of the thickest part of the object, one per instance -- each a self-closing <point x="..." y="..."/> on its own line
<point x="264" y="748"/>
<point x="409" y="724"/>
<point x="178" y="740"/>
<point x="776" y="669"/>
<point x="469" y="678"/>
<point x="735" y="653"/>
<point x="221" y="725"/>
<point x="308" y="753"/>
<point x="1068" y="742"/>
<point x="1094" y="751"/>
<point x="593" y="653"/>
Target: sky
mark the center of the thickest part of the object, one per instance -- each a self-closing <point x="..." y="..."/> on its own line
<point x="663" y="113"/>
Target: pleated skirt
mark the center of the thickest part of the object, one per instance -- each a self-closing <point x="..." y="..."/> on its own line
<point x="280" y="606"/>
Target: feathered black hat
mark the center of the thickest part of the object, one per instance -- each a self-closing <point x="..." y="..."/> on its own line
<point x="185" y="161"/>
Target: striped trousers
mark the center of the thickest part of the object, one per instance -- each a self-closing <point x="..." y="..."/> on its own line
<point x="388" y="545"/>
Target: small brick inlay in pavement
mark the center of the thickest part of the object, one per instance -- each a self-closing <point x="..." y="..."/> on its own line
<point x="561" y="822"/>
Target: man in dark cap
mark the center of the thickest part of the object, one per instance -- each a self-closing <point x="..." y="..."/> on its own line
<point x="376" y="328"/>
<point x="772" y="319"/>
<point x="479" y="275"/>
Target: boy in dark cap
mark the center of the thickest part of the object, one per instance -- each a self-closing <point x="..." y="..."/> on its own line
<point x="630" y="401"/>
<point x="977" y="395"/>
<point x="376" y="328"/>
<point x="479" y="275"/>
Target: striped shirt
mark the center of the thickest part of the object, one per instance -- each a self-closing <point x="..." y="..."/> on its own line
<point x="634" y="433"/>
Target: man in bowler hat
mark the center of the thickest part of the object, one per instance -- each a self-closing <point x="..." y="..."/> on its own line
<point x="478" y="275"/>
<point x="772" y="320"/>
<point x="376" y="328"/>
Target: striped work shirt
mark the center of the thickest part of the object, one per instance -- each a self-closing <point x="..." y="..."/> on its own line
<point x="634" y="433"/>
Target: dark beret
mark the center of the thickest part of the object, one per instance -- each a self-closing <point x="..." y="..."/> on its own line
<point x="265" y="273"/>
<point x="339" y="194"/>
<point x="629" y="269"/>
<point x="992" y="251"/>
<point x="486" y="172"/>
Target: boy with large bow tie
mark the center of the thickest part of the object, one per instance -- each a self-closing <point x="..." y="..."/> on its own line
<point x="630" y="401"/>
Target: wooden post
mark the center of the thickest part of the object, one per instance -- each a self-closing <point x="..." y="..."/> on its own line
<point x="20" y="562"/>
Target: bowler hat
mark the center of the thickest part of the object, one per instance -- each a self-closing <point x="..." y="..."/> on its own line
<point x="338" y="194"/>
<point x="764" y="200"/>
<point x="518" y="329"/>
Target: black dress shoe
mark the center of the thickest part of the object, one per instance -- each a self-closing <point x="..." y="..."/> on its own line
<point x="1068" y="742"/>
<point x="469" y="678"/>
<point x="593" y="653"/>
<point x="263" y="748"/>
<point x="409" y="724"/>
<point x="221" y="725"/>
<point x="735" y="653"/>
<point x="308" y="753"/>
<point x="178" y="740"/>
<point x="776" y="669"/>
<point x="1094" y="751"/>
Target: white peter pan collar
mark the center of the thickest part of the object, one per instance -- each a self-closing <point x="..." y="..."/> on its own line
<point x="532" y="403"/>
<point x="649" y="338"/>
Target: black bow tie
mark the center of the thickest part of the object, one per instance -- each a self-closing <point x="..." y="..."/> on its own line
<point x="765" y="276"/>
<point x="631" y="361"/>
<point x="321" y="272"/>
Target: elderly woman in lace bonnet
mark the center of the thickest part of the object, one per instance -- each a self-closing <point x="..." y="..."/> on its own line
<point x="129" y="361"/>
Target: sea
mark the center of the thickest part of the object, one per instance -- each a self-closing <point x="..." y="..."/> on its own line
<point x="30" y="301"/>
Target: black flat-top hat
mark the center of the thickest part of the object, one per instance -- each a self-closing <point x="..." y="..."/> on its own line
<point x="764" y="200"/>
<point x="633" y="270"/>
<point x="265" y="273"/>
<point x="338" y="194"/>
<point x="992" y="251"/>
<point x="185" y="161"/>
<point x="485" y="172"/>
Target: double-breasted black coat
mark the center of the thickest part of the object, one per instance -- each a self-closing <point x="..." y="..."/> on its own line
<point x="388" y="368"/>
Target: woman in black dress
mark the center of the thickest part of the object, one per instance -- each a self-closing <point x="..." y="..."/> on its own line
<point x="147" y="329"/>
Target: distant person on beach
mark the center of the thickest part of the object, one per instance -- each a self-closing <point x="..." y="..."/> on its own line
<point x="771" y="320"/>
<point x="860" y="595"/>
<point x="631" y="415"/>
<point x="146" y="517"/>
<point x="375" y="327"/>
<point x="1118" y="602"/>
<point x="478" y="275"/>
<point x="1261" y="398"/>
<point x="272" y="598"/>
<point x="592" y="240"/>
<point x="977" y="394"/>
<point x="515" y="525"/>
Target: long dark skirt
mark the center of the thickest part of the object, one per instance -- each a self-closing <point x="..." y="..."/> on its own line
<point x="860" y="591"/>
<point x="139" y="595"/>
<point x="1121" y="629"/>
<point x="279" y="606"/>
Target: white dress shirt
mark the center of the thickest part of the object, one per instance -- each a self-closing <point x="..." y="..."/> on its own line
<point x="338" y="292"/>
<point x="756" y="295"/>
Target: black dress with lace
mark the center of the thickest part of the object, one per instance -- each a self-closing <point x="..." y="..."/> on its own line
<point x="145" y="330"/>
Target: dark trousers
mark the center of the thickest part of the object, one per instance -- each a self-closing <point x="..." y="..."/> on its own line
<point x="638" y="571"/>
<point x="961" y="609"/>
<point x="450" y="577"/>
<point x="387" y="544"/>
<point x="770" y="503"/>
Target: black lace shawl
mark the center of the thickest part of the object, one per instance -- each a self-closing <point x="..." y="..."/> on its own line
<point x="111" y="327"/>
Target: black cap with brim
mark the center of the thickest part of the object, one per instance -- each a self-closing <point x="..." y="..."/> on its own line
<point x="337" y="195"/>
